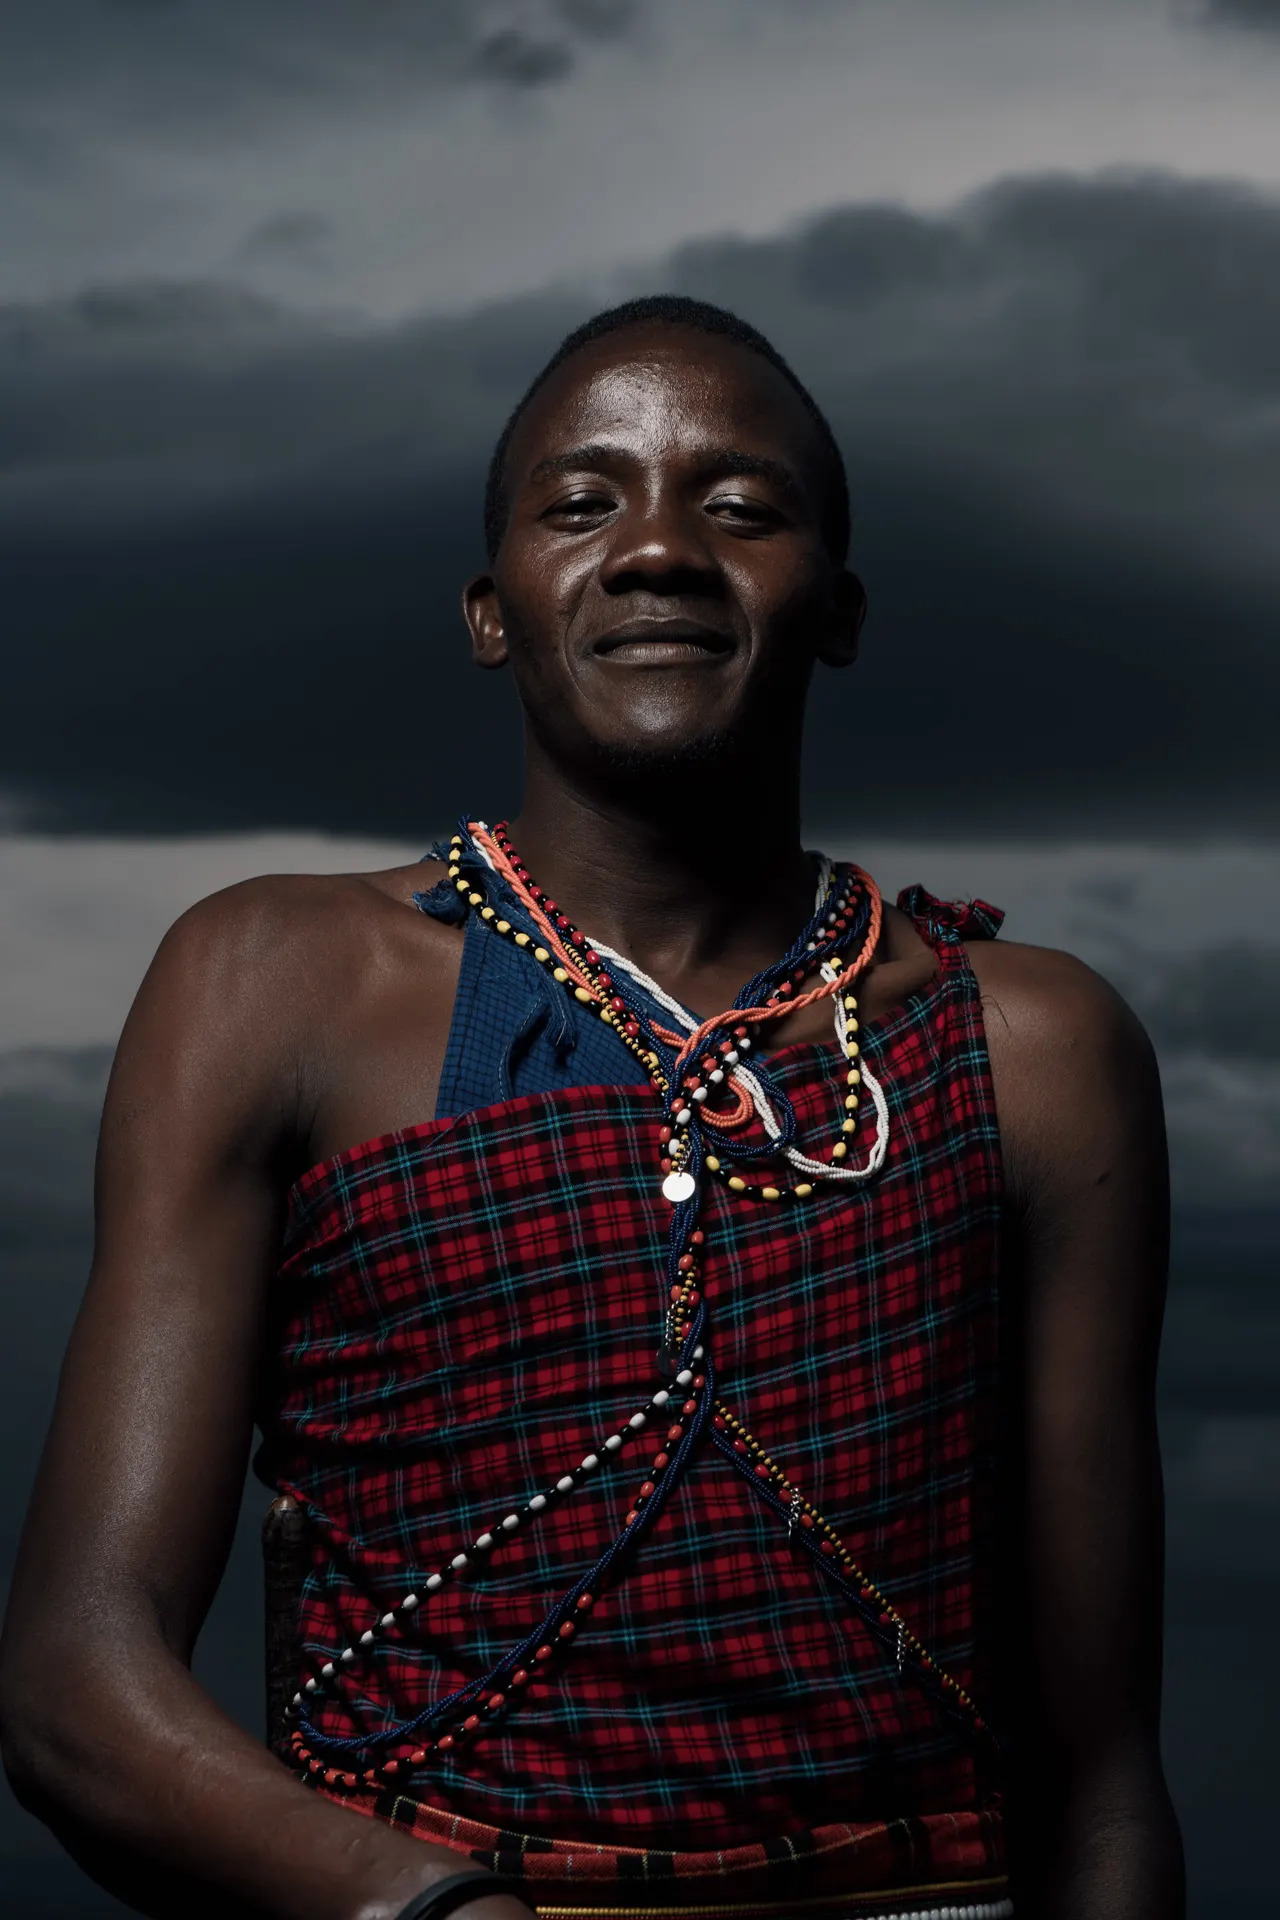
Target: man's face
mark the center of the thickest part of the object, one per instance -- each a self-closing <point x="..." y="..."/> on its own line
<point x="663" y="588"/>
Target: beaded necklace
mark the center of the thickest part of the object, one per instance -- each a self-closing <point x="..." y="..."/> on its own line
<point x="695" y="1069"/>
<point x="690" y="1081"/>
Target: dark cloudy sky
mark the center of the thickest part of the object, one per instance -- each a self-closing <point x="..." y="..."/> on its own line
<point x="270" y="278"/>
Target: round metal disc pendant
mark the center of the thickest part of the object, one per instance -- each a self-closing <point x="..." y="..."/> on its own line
<point x="678" y="1187"/>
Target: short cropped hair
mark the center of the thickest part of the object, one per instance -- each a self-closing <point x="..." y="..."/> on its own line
<point x="676" y="310"/>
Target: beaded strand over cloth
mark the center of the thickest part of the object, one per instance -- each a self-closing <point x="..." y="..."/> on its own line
<point x="467" y="1304"/>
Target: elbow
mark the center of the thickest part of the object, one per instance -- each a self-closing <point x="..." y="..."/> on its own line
<point x="21" y="1743"/>
<point x="21" y="1749"/>
<point x="35" y="1733"/>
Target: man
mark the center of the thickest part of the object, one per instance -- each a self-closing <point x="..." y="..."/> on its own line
<point x="728" y="1448"/>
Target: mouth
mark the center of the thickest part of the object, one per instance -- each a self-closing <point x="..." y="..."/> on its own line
<point x="663" y="643"/>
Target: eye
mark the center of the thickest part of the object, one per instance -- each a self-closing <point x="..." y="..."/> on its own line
<point x="584" y="505"/>
<point x="744" y="510"/>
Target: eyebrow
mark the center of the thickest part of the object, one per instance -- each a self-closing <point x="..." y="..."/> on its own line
<point x="593" y="454"/>
<point x="723" y="460"/>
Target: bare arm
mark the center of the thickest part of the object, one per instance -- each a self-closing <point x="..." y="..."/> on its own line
<point x="106" y="1734"/>
<point x="1080" y="1117"/>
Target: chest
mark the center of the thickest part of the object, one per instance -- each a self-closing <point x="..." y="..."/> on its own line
<point x="400" y="1007"/>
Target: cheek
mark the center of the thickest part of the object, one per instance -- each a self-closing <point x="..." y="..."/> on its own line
<point x="783" y="589"/>
<point x="538" y="592"/>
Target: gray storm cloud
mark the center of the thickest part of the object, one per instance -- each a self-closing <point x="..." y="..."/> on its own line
<point x="1058" y="400"/>
<point x="472" y="149"/>
<point x="232" y="61"/>
<point x="1244" y="13"/>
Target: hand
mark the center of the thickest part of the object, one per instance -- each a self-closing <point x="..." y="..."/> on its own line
<point x="489" y="1906"/>
<point x="497" y="1906"/>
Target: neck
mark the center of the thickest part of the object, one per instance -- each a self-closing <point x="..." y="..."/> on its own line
<point x="659" y="878"/>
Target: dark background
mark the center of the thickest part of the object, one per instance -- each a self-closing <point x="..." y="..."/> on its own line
<point x="270" y="281"/>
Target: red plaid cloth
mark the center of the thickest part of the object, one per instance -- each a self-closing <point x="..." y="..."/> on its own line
<point x="468" y="1306"/>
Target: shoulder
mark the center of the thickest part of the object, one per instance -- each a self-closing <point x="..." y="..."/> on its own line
<point x="1075" y="1075"/>
<point x="277" y="902"/>
<point x="274" y="958"/>
<point x="1042" y="1008"/>
<point x="1049" y="1001"/>
<point x="251" y="945"/>
<point x="251" y="990"/>
<point x="253" y="916"/>
<point x="288" y="927"/>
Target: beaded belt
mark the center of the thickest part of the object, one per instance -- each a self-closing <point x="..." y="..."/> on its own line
<point x="947" y="1866"/>
<point x="832" y="1906"/>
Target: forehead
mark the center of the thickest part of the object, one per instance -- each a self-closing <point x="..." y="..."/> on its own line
<point x="655" y="389"/>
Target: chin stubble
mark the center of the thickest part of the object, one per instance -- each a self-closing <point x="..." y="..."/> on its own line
<point x="653" y="759"/>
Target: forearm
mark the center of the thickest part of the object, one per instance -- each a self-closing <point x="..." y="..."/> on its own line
<point x="1115" y="1852"/>
<point x="131" y="1762"/>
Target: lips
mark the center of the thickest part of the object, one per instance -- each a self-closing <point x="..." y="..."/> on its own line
<point x="663" y="643"/>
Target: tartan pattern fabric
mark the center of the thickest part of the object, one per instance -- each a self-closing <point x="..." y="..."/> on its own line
<point x="842" y="1870"/>
<point x="469" y="1305"/>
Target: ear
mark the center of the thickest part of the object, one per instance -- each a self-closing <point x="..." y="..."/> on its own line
<point x="839" y="646"/>
<point x="484" y="620"/>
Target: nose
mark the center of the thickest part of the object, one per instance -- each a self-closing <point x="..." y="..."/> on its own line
<point x="660" y="548"/>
